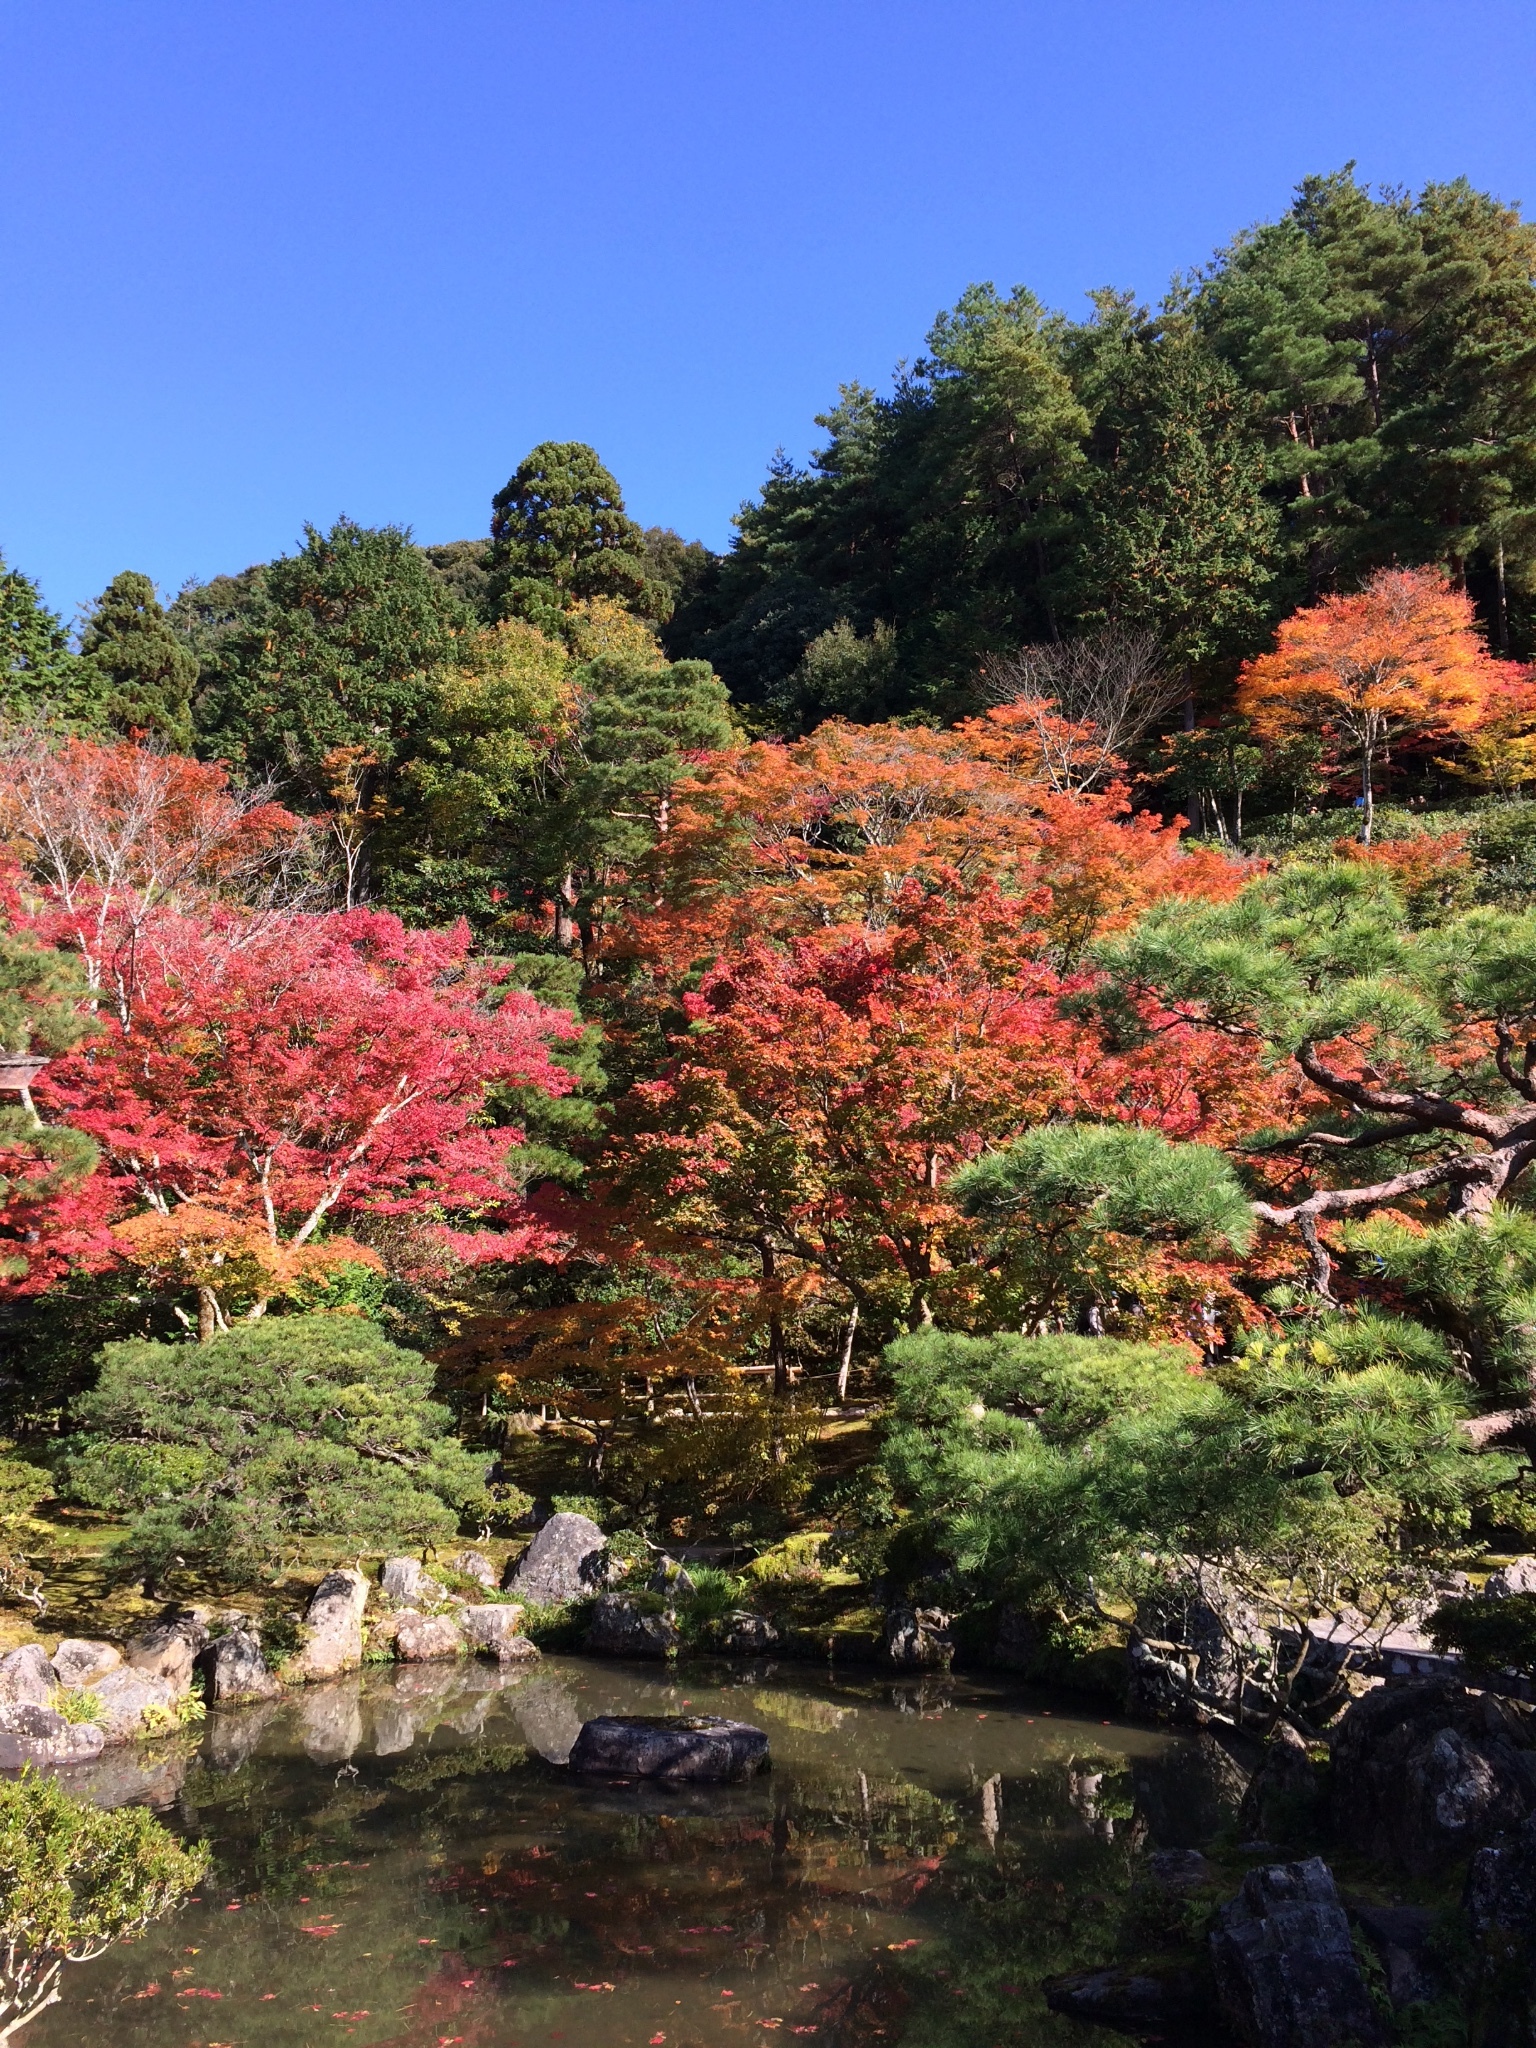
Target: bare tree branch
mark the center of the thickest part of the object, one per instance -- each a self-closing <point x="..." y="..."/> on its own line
<point x="1092" y="699"/>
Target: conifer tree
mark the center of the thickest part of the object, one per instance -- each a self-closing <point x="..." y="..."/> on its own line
<point x="37" y="669"/>
<point x="134" y="666"/>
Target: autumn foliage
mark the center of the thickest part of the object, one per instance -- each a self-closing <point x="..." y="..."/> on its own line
<point x="1401" y="660"/>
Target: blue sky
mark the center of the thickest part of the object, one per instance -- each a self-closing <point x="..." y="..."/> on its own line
<point x="267" y="262"/>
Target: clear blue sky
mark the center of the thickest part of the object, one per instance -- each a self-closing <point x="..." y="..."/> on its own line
<point x="267" y="262"/>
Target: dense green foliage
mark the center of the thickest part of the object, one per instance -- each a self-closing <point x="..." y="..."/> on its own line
<point x="1049" y="1466"/>
<point x="1346" y="387"/>
<point x="309" y="1425"/>
<point x="137" y="669"/>
<point x="74" y="1879"/>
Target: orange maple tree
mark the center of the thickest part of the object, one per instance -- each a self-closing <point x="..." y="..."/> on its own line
<point x="1402" y="659"/>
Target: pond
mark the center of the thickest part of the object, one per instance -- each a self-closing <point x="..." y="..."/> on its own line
<point x="401" y="1859"/>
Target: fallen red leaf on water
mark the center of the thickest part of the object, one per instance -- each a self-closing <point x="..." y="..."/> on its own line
<point x="657" y="2039"/>
<point x="149" y="1991"/>
<point x="188" y="1991"/>
<point x="592" y="1987"/>
<point x="803" y="2030"/>
<point x="335" y="1928"/>
<point x="914" y="1942"/>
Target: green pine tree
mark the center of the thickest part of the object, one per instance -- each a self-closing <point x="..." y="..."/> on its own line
<point x="134" y="666"/>
<point x="559" y="532"/>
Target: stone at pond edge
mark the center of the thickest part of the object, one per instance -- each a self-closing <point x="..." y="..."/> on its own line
<point x="126" y="1697"/>
<point x="27" y="1678"/>
<point x="334" y="1619"/>
<point x="168" y="1649"/>
<point x="1285" y="1966"/>
<point x="495" y="1629"/>
<point x="621" y="1628"/>
<point x="235" y="1668"/>
<point x="474" y="1564"/>
<point x="1134" y="1998"/>
<point x="674" y="1749"/>
<point x="32" y="1734"/>
<point x="82" y="1663"/>
<point x="743" y="1634"/>
<point x="424" y="1638"/>
<point x="1422" y="1774"/>
<point x="917" y="1639"/>
<point x="563" y="1562"/>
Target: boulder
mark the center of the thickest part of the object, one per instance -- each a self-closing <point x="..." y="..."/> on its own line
<point x="1500" y="1905"/>
<point x="494" y="1630"/>
<point x="1162" y="2001"/>
<point x="334" y="1621"/>
<point x="669" y="1578"/>
<point x="169" y="1648"/>
<point x="1180" y="1870"/>
<point x="1284" y="1794"/>
<point x="1519" y="1577"/>
<point x="1423" y="1774"/>
<point x="620" y="1627"/>
<point x="404" y="1583"/>
<point x="235" y="1669"/>
<point x="424" y="1638"/>
<point x="675" y="1749"/>
<point x="563" y="1562"/>
<point x="128" y="1698"/>
<point x="33" y="1734"/>
<point x="917" y="1639"/>
<point x="1196" y="1642"/>
<point x="1400" y="1936"/>
<point x="78" y="1663"/>
<point x="1285" y="1966"/>
<point x="743" y="1634"/>
<point x="27" y="1679"/>
<point x="474" y="1564"/>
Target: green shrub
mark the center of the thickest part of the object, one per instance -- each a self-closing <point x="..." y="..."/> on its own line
<point x="1495" y="1635"/>
<point x="586" y="1504"/>
<point x="225" y="1453"/>
<point x="74" y="1879"/>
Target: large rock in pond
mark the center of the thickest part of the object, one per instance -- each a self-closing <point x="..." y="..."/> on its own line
<point x="621" y="1627"/>
<point x="1423" y="1774"/>
<point x="563" y="1562"/>
<point x="917" y="1639"/>
<point x="235" y="1668"/>
<point x="675" y="1749"/>
<point x="495" y="1630"/>
<point x="1285" y="1966"/>
<point x="37" y="1735"/>
<point x="334" y="1621"/>
<point x="27" y="1679"/>
<point x="169" y="1648"/>
<point x="82" y="1663"/>
<point x="134" y="1703"/>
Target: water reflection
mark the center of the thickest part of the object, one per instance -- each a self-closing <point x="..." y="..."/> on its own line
<point x="401" y="1860"/>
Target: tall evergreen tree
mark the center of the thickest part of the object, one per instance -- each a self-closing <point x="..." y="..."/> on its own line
<point x="559" y="533"/>
<point x="134" y="666"/>
<point x="37" y="669"/>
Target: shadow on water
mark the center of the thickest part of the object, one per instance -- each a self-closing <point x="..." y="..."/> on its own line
<point x="401" y="1859"/>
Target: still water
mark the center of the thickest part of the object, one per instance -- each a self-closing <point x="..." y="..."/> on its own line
<point x="401" y="1859"/>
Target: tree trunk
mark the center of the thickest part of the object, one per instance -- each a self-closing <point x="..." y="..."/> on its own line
<point x="1368" y="811"/>
<point x="845" y="1361"/>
